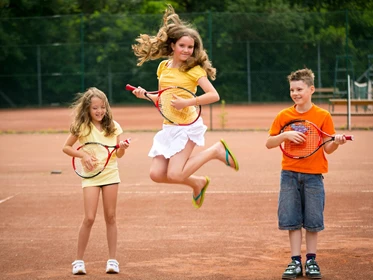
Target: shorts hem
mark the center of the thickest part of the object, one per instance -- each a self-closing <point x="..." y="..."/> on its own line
<point x="314" y="229"/>
<point x="290" y="228"/>
<point x="100" y="185"/>
<point x="300" y="227"/>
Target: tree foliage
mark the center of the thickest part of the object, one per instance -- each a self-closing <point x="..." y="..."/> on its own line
<point x="62" y="46"/>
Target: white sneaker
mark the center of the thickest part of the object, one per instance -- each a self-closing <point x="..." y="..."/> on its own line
<point x="112" y="266"/>
<point x="78" y="267"/>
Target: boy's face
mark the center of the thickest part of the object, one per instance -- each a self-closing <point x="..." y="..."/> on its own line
<point x="301" y="93"/>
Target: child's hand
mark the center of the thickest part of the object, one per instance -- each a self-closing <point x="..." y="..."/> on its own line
<point x="339" y="139"/>
<point x="124" y="144"/>
<point x="139" y="92"/>
<point x="89" y="162"/>
<point x="178" y="103"/>
<point x="295" y="136"/>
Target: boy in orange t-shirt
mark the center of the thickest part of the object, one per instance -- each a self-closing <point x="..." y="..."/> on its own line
<point x="302" y="197"/>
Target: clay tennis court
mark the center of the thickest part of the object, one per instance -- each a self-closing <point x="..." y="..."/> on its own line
<point x="161" y="235"/>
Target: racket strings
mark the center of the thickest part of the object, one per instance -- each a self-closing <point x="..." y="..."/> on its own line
<point x="313" y="140"/>
<point x="99" y="155"/>
<point x="183" y="116"/>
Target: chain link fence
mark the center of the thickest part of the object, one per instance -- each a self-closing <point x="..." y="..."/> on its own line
<point x="47" y="60"/>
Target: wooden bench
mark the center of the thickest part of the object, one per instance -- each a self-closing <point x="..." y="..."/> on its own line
<point x="323" y="94"/>
<point x="323" y="90"/>
<point x="354" y="102"/>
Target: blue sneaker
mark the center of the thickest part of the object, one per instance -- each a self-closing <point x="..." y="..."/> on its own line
<point x="293" y="270"/>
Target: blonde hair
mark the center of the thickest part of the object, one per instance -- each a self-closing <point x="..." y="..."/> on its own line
<point x="82" y="117"/>
<point x="306" y="75"/>
<point x="173" y="28"/>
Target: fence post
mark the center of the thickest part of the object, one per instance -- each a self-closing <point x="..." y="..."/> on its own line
<point x="110" y="83"/>
<point x="348" y="73"/>
<point x="38" y="63"/>
<point x="82" y="53"/>
<point x="319" y="83"/>
<point x="248" y="62"/>
<point x="210" y="56"/>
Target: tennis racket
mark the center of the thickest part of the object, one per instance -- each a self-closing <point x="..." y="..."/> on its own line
<point x="100" y="156"/>
<point x="314" y="139"/>
<point x="162" y="102"/>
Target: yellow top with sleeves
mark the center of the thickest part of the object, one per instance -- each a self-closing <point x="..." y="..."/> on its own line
<point x="110" y="175"/>
<point x="174" y="77"/>
<point x="316" y="163"/>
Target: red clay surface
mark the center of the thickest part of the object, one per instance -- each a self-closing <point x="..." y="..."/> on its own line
<point x="161" y="236"/>
<point x="232" y="117"/>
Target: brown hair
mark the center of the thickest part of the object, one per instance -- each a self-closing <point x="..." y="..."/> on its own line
<point x="306" y="75"/>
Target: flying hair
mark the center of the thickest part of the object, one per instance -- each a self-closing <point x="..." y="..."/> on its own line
<point x="150" y="47"/>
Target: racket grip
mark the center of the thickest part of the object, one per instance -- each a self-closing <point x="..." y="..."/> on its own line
<point x="129" y="87"/>
<point x="349" y="137"/>
<point x="128" y="141"/>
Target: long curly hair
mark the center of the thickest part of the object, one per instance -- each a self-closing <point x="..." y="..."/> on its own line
<point x="172" y="29"/>
<point x="82" y="118"/>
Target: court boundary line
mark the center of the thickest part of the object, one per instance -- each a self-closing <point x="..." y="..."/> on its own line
<point x="78" y="190"/>
<point x="7" y="198"/>
<point x="192" y="226"/>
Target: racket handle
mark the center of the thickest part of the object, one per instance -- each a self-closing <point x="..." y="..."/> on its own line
<point x="349" y="137"/>
<point x="129" y="87"/>
<point x="128" y="141"/>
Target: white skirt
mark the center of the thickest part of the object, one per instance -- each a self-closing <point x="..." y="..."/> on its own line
<point x="172" y="138"/>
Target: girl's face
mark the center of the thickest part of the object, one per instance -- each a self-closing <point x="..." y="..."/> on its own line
<point x="183" y="49"/>
<point x="301" y="93"/>
<point x="97" y="109"/>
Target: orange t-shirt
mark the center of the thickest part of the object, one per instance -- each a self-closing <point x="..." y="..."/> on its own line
<point x="316" y="163"/>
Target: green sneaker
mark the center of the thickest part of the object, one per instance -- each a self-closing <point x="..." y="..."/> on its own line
<point x="312" y="269"/>
<point x="293" y="270"/>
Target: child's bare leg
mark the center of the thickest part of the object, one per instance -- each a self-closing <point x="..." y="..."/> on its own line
<point x="182" y="165"/>
<point x="91" y="197"/>
<point x="109" y="199"/>
<point x="295" y="238"/>
<point x="179" y="169"/>
<point x="158" y="169"/>
<point x="159" y="173"/>
<point x="311" y="242"/>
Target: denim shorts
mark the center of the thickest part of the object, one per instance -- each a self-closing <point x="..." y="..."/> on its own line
<point x="301" y="201"/>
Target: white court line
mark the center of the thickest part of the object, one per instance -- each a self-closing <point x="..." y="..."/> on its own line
<point x="9" y="197"/>
<point x="206" y="227"/>
<point x="211" y="192"/>
<point x="336" y="226"/>
<point x="78" y="185"/>
<point x="122" y="190"/>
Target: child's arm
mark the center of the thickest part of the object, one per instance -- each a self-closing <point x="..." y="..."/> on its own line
<point x="293" y="136"/>
<point x="330" y="147"/>
<point x="68" y="149"/>
<point x="210" y="96"/>
<point x="123" y="145"/>
<point x="139" y="92"/>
